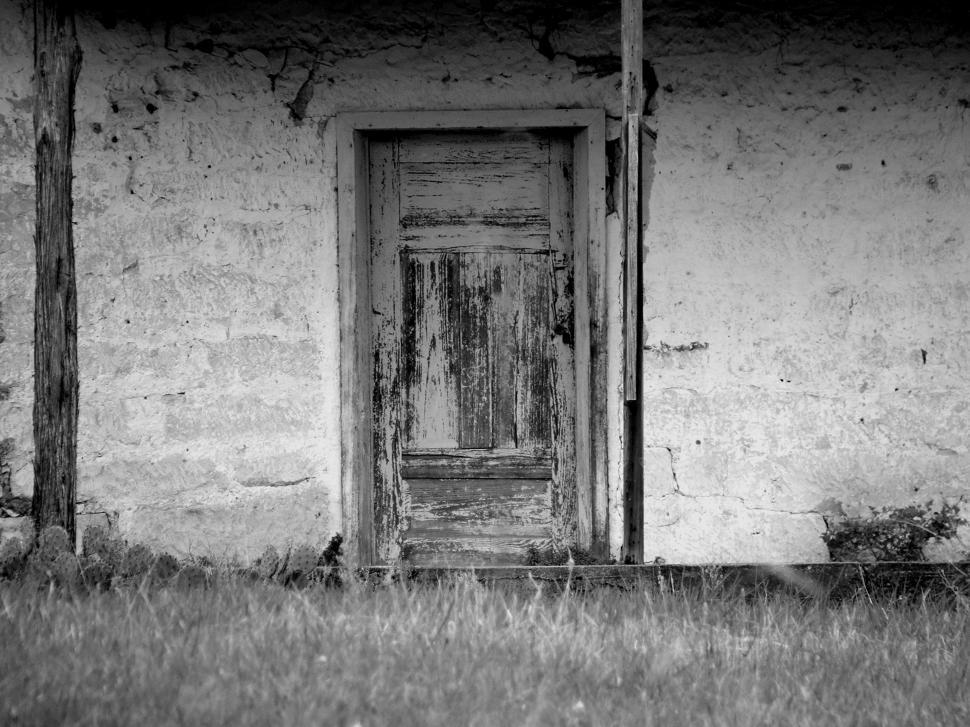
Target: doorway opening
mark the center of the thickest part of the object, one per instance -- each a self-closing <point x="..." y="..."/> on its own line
<point x="474" y="408"/>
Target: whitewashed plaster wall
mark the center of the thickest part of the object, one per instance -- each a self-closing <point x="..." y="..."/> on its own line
<point x="806" y="227"/>
<point x="809" y="223"/>
<point x="206" y="248"/>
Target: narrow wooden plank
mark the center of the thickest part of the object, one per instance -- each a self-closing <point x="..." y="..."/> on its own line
<point x="387" y="322"/>
<point x="474" y="550"/>
<point x="585" y="167"/>
<point x="560" y="194"/>
<point x="474" y="375"/>
<point x="604" y="278"/>
<point x="468" y="120"/>
<point x="632" y="247"/>
<point x="471" y="235"/>
<point x="467" y="554"/>
<point x="631" y="41"/>
<point x="355" y="360"/>
<point x="413" y="352"/>
<point x="451" y="313"/>
<point x="564" y="359"/>
<point x="533" y="397"/>
<point x="504" y="326"/>
<point x="564" y="380"/>
<point x="436" y="531"/>
<point x="537" y="454"/>
<point x="482" y="147"/>
<point x="429" y="378"/>
<point x="477" y="463"/>
<point x="512" y="195"/>
<point x="486" y="503"/>
<point x="477" y="247"/>
<point x="420" y="222"/>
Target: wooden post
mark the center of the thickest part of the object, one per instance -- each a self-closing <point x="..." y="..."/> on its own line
<point x="57" y="62"/>
<point x="631" y="38"/>
<point x="632" y="41"/>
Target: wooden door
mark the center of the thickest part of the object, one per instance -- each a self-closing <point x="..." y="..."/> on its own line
<point x="472" y="335"/>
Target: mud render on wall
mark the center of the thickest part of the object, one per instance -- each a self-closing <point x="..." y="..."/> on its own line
<point x="804" y="258"/>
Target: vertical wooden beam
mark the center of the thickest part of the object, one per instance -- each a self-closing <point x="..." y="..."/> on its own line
<point x="57" y="63"/>
<point x="631" y="38"/>
<point x="632" y="41"/>
<point x="356" y="364"/>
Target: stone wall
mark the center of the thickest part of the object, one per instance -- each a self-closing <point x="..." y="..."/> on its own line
<point x="805" y="267"/>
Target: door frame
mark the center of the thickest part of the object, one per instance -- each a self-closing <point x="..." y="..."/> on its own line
<point x="594" y="412"/>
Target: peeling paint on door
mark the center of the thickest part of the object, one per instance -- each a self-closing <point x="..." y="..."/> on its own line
<point x="472" y="336"/>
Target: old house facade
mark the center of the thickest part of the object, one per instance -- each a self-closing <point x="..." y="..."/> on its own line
<point x="358" y="268"/>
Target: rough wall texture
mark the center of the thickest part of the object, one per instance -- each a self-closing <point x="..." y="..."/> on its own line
<point x="206" y="245"/>
<point x="808" y="224"/>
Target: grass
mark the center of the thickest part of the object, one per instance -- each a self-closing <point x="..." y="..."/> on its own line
<point x="244" y="653"/>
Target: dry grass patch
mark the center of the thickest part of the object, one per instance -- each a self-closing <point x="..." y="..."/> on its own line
<point x="244" y="653"/>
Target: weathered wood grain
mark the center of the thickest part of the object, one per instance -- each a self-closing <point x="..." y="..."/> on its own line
<point x="486" y="503"/>
<point x="598" y="409"/>
<point x="482" y="147"/>
<point x="57" y="63"/>
<point x="562" y="387"/>
<point x="429" y="339"/>
<point x="631" y="41"/>
<point x="474" y="373"/>
<point x="504" y="326"/>
<point x="468" y="553"/>
<point x="476" y="235"/>
<point x="480" y="121"/>
<point x="476" y="342"/>
<point x="490" y="139"/>
<point x="507" y="196"/>
<point x="479" y="463"/>
<point x="533" y="390"/>
<point x="356" y="426"/>
<point x="560" y="194"/>
<point x="386" y="298"/>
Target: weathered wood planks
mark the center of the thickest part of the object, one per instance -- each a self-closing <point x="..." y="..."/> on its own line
<point x="500" y="463"/>
<point x="508" y="264"/>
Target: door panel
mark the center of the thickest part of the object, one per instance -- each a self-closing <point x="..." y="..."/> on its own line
<point x="472" y="335"/>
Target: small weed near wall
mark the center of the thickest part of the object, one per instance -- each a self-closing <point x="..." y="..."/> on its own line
<point x="892" y="534"/>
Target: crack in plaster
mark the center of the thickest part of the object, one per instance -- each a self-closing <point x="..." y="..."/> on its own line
<point x="749" y="508"/>
<point x="673" y="469"/>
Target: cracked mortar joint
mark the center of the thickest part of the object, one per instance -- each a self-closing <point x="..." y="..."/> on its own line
<point x="665" y="348"/>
